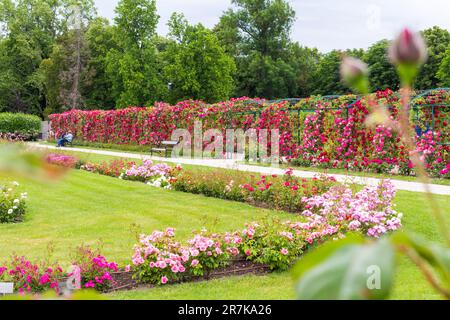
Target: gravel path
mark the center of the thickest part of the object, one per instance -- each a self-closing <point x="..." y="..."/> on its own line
<point x="232" y="164"/>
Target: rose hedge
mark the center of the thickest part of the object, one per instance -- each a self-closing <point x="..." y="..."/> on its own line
<point x="330" y="135"/>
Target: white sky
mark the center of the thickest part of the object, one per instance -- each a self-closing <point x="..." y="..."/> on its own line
<point x="325" y="24"/>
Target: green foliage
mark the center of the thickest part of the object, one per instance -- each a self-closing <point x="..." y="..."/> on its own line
<point x="133" y="67"/>
<point x="196" y="65"/>
<point x="437" y="41"/>
<point x="382" y="73"/>
<point x="327" y="77"/>
<point x="342" y="270"/>
<point x="19" y="123"/>
<point x="257" y="34"/>
<point x="100" y="39"/>
<point x="444" y="69"/>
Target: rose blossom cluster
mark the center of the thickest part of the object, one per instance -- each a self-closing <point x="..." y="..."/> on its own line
<point x="30" y="277"/>
<point x="159" y="259"/>
<point x="61" y="160"/>
<point x="147" y="172"/>
<point x="369" y="210"/>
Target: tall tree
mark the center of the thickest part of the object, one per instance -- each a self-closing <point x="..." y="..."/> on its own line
<point x="444" y="69"/>
<point x="437" y="40"/>
<point x="382" y="73"/>
<point x="133" y="67"/>
<point x="29" y="29"/>
<point x="97" y="84"/>
<point x="64" y="73"/>
<point x="257" y="32"/>
<point x="196" y="64"/>
<point x="304" y="62"/>
<point x="327" y="80"/>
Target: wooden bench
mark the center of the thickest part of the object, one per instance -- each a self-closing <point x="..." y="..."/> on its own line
<point x="166" y="147"/>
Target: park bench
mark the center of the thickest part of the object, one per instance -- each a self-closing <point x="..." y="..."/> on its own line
<point x="165" y="147"/>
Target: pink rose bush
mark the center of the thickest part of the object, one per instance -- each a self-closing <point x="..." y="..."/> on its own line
<point x="36" y="277"/>
<point x="31" y="277"/>
<point x="159" y="259"/>
<point x="95" y="269"/>
<point x="153" y="174"/>
<point x="369" y="211"/>
<point x="61" y="160"/>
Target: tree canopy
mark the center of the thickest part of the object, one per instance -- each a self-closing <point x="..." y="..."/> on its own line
<point x="57" y="55"/>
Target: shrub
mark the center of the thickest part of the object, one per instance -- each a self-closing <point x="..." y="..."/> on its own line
<point x="113" y="168"/>
<point x="159" y="259"/>
<point x="19" y="126"/>
<point x="274" y="244"/>
<point x="61" y="160"/>
<point x="278" y="192"/>
<point x="147" y="172"/>
<point x="12" y="203"/>
<point x="31" y="277"/>
<point x="369" y="211"/>
<point x="94" y="268"/>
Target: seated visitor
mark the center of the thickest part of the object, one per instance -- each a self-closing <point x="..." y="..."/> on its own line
<point x="65" y="138"/>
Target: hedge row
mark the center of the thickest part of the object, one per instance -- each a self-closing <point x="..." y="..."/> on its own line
<point x="25" y="125"/>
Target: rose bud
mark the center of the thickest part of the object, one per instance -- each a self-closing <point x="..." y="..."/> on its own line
<point x="354" y="73"/>
<point x="408" y="48"/>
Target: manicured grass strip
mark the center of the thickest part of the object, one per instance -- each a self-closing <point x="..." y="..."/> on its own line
<point x="410" y="283"/>
<point x="85" y="207"/>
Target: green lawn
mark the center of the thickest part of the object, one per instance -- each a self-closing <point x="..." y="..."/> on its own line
<point x="409" y="282"/>
<point x="84" y="208"/>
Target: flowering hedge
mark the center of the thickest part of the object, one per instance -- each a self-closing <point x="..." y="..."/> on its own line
<point x="283" y="192"/>
<point x="12" y="203"/>
<point x="331" y="137"/>
<point x="335" y="139"/>
<point x="159" y="259"/>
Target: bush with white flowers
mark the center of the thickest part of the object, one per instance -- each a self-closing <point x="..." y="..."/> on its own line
<point x="12" y="203"/>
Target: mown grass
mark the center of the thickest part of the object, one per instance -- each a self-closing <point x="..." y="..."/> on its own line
<point x="409" y="283"/>
<point x="86" y="208"/>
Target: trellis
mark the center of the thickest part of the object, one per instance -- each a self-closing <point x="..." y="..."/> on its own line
<point x="348" y="106"/>
<point x="298" y="111"/>
<point x="417" y="107"/>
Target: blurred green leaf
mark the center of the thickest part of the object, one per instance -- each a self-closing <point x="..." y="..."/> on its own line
<point x="436" y="255"/>
<point x="348" y="269"/>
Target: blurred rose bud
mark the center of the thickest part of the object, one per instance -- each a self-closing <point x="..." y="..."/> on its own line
<point x="408" y="48"/>
<point x="354" y="72"/>
<point x="352" y="68"/>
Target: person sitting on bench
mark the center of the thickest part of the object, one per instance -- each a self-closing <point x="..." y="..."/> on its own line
<point x="65" y="138"/>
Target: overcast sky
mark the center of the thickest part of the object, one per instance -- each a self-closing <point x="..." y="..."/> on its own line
<point x="325" y="24"/>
